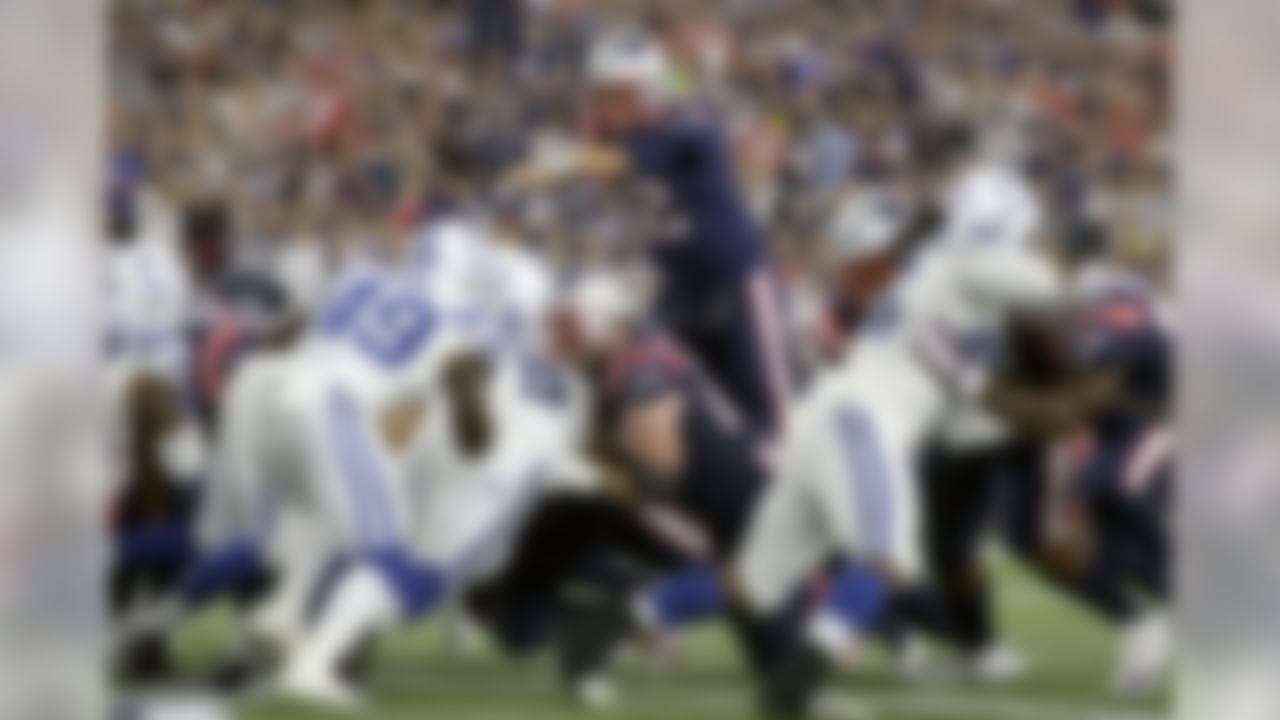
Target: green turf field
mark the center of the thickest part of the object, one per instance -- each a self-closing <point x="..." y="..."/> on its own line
<point x="416" y="678"/>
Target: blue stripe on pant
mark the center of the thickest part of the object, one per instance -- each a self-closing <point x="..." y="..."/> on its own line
<point x="417" y="585"/>
<point x="870" y="477"/>
<point x="362" y="479"/>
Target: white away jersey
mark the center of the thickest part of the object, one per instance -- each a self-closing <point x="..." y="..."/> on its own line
<point x="939" y="331"/>
<point x="150" y="305"/>
<point x="387" y="331"/>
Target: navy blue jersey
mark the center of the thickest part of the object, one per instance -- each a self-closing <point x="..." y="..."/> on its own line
<point x="1121" y="329"/>
<point x="724" y="468"/>
<point x="705" y="235"/>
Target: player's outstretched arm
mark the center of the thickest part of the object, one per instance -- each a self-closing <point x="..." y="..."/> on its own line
<point x="561" y="162"/>
<point x="1056" y="409"/>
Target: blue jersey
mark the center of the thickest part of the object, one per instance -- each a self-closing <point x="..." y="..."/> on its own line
<point x="704" y="235"/>
<point x="1122" y="329"/>
<point x="724" y="468"/>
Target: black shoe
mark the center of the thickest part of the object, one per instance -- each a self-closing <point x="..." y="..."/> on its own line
<point x="790" y="688"/>
<point x="145" y="661"/>
<point x="589" y="636"/>
<point x="251" y="665"/>
<point x="356" y="666"/>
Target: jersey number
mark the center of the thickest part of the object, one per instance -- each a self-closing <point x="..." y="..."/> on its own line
<point x="387" y="324"/>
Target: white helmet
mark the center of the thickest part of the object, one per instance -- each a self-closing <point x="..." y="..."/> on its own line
<point x="991" y="206"/>
<point x="629" y="58"/>
<point x="602" y="302"/>
<point x="864" y="225"/>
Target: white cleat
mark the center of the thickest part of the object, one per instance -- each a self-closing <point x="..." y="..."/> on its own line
<point x="595" y="693"/>
<point x="914" y="661"/>
<point x="320" y="689"/>
<point x="464" y="638"/>
<point x="1146" y="650"/>
<point x="997" y="664"/>
<point x="663" y="651"/>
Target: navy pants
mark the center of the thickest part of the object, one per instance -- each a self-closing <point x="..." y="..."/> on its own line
<point x="736" y="331"/>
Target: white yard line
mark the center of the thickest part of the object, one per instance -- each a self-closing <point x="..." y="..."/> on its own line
<point x="956" y="704"/>
<point x="714" y="695"/>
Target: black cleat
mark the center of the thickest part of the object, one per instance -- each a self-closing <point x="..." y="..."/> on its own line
<point x="248" y="668"/>
<point x="145" y="661"/>
<point x="791" y="687"/>
<point x="590" y="635"/>
<point x="357" y="665"/>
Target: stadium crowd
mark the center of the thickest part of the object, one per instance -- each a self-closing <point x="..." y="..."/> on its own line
<point x="278" y="134"/>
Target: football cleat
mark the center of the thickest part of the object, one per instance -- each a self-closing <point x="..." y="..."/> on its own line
<point x="1146" y="650"/>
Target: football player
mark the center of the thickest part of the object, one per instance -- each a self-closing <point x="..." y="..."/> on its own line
<point x="717" y="291"/>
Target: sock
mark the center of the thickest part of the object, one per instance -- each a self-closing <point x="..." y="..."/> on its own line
<point x="970" y="613"/>
<point x="1147" y="564"/>
<point x="418" y="586"/>
<point x="282" y="616"/>
<point x="224" y="569"/>
<point x="374" y="594"/>
<point x="856" y="601"/>
<point x="214" y="573"/>
<point x="920" y="608"/>
<point x="767" y="640"/>
<point x="363" y="603"/>
<point x="683" y="599"/>
<point x="319" y="594"/>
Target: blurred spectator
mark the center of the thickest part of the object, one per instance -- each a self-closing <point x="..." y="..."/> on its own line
<point x="301" y="128"/>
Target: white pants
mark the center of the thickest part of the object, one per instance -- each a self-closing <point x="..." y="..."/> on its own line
<point x="845" y="486"/>
<point x="298" y="446"/>
<point x="470" y="510"/>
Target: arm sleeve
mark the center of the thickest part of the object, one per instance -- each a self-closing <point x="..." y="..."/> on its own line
<point x="1018" y="282"/>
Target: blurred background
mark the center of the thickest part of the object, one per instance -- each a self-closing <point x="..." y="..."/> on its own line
<point x="277" y="136"/>
<point x="273" y="142"/>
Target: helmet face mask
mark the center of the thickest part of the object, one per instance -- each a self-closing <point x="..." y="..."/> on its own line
<point x="627" y="73"/>
<point x="593" y="315"/>
<point x="864" y="226"/>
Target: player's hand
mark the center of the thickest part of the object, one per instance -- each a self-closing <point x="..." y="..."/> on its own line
<point x="1098" y="390"/>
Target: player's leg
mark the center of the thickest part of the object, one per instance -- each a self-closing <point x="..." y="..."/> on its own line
<point x="356" y="493"/>
<point x="242" y="502"/>
<point x="1125" y="533"/>
<point x="684" y="598"/>
<point x="1045" y="525"/>
<point x="162" y="455"/>
<point x="720" y="510"/>
<point x="954" y="487"/>
<point x="595" y="626"/>
<point x="959" y="488"/>
<point x="787" y="538"/>
<point x="868" y="499"/>
<point x="233" y="519"/>
<point x="569" y="539"/>
<point x="791" y="536"/>
<point x="757" y="369"/>
<point x="1150" y="549"/>
<point x="1126" y="499"/>
<point x="1143" y="502"/>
